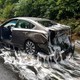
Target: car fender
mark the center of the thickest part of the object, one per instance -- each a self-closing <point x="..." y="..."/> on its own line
<point x="37" y="37"/>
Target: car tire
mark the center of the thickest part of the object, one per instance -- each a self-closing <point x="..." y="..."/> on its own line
<point x="30" y="47"/>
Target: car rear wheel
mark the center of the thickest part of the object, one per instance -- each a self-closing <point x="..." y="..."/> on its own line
<point x="30" y="47"/>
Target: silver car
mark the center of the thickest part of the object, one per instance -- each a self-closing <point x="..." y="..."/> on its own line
<point x="37" y="34"/>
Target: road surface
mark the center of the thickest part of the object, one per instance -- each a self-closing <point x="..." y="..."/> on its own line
<point x="6" y="74"/>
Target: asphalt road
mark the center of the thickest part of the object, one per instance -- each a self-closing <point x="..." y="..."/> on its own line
<point x="6" y="74"/>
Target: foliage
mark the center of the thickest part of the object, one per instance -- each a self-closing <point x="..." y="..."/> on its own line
<point x="74" y="23"/>
<point x="53" y="9"/>
<point x="8" y="11"/>
<point x="77" y="29"/>
<point x="23" y="8"/>
<point x="66" y="11"/>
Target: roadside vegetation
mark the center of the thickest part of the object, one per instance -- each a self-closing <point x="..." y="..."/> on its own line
<point x="63" y="11"/>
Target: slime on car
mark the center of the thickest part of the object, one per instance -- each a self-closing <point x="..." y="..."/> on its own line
<point x="37" y="34"/>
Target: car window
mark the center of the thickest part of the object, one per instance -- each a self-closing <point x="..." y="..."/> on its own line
<point x="47" y="23"/>
<point x="24" y="24"/>
<point x="10" y="23"/>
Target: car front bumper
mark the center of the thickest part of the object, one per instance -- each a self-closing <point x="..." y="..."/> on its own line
<point x="69" y="50"/>
<point x="65" y="52"/>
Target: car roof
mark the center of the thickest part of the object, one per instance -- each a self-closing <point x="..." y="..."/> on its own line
<point x="32" y="18"/>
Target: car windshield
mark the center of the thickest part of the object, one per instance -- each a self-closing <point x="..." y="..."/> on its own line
<point x="47" y="23"/>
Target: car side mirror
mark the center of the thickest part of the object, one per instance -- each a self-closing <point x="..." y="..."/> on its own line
<point x="11" y="27"/>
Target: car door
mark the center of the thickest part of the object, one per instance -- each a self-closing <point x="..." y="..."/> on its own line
<point x="5" y="29"/>
<point x="21" y="31"/>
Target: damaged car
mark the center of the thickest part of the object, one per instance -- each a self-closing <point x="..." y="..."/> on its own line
<point x="37" y="34"/>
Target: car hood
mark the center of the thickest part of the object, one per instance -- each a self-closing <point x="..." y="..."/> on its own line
<point x="58" y="27"/>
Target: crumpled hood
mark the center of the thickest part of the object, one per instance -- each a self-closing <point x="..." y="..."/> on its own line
<point x="58" y="27"/>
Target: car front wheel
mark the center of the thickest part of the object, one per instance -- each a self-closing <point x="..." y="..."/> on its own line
<point x="30" y="47"/>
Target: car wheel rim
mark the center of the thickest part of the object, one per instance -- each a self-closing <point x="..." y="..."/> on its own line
<point x="30" y="47"/>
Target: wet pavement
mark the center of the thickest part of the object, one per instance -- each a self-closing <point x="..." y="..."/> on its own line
<point x="68" y="69"/>
<point x="33" y="69"/>
<point x="6" y="74"/>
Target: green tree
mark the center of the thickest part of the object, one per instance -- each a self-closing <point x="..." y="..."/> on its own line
<point x="2" y="3"/>
<point x="67" y="8"/>
<point x="8" y="11"/>
<point x="23" y="8"/>
<point x="53" y="9"/>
